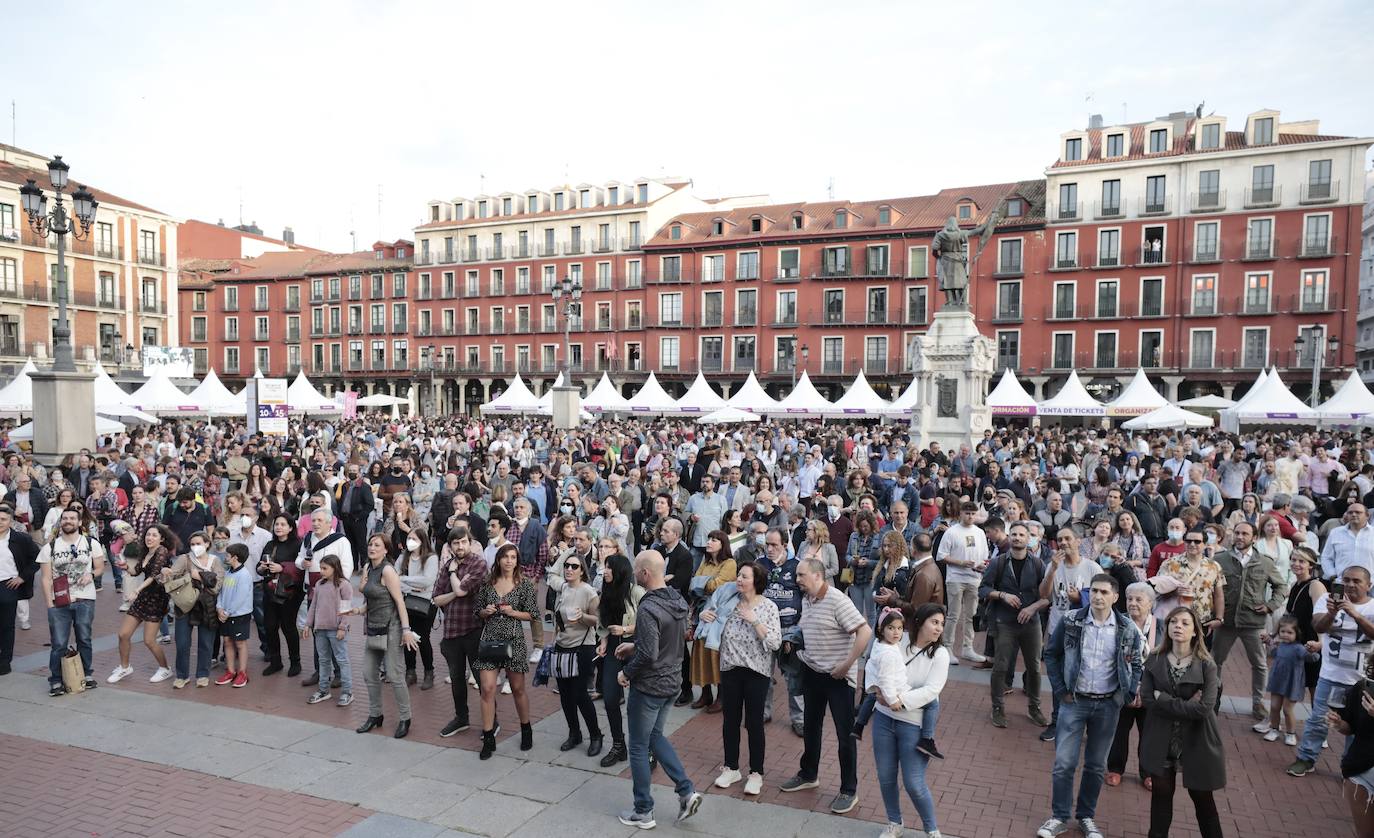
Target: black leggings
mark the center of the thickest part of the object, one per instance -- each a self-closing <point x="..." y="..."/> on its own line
<point x="611" y="694"/>
<point x="742" y="694"/>
<point x="280" y="620"/>
<point x="573" y="694"/>
<point x="421" y="623"/>
<point x="1162" y="807"/>
<point x="1121" y="746"/>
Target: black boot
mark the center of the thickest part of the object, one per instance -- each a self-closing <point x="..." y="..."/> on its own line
<point x="371" y="723"/>
<point x="402" y="728"/>
<point x="526" y="737"/>
<point x="594" y="745"/>
<point x="617" y="753"/>
<point x="294" y="670"/>
<point x="272" y="668"/>
<point x="488" y="744"/>
<point x="410" y="677"/>
<point x="574" y="739"/>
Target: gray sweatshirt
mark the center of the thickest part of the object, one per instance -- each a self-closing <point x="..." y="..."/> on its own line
<point x="660" y="637"/>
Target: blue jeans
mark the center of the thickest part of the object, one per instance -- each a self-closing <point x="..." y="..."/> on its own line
<point x="645" y="716"/>
<point x="332" y="650"/>
<point x="862" y="597"/>
<point x="1314" y="730"/>
<point x="930" y="716"/>
<point x="894" y="745"/>
<point x="1095" y="717"/>
<point x="205" y="648"/>
<point x="61" y="622"/>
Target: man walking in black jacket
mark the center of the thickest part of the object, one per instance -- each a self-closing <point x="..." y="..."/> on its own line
<point x="18" y="564"/>
<point x="652" y="675"/>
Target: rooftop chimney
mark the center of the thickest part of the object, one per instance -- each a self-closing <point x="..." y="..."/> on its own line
<point x="1094" y="121"/>
<point x="288" y="236"/>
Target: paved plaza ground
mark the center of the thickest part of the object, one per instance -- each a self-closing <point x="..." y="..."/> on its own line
<point x="142" y="759"/>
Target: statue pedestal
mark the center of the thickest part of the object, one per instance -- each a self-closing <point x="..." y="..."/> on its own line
<point x="567" y="407"/>
<point x="63" y="414"/>
<point x="953" y="364"/>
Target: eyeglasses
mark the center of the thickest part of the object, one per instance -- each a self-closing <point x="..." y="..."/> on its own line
<point x="1192" y="541"/>
<point x="572" y="567"/>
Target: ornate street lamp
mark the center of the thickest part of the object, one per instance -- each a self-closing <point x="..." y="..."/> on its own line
<point x="569" y="291"/>
<point x="1311" y="336"/>
<point x="58" y="223"/>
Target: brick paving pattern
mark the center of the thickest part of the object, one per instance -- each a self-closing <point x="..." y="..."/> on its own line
<point x="63" y="791"/>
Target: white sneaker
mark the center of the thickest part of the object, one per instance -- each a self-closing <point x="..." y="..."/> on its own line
<point x="934" y="833"/>
<point x="1325" y="744"/>
<point x="973" y="657"/>
<point x="953" y="661"/>
<point x="505" y="688"/>
<point x="25" y="625"/>
<point x="119" y="674"/>
<point x="1051" y="828"/>
<point x="728" y="777"/>
<point x="1271" y="736"/>
<point x="1089" y="828"/>
<point x="1262" y="727"/>
<point x="536" y="655"/>
<point x="754" y="783"/>
<point x="448" y="679"/>
<point x="124" y="606"/>
<point x="894" y="830"/>
<point x="472" y="682"/>
<point x="1290" y="739"/>
<point x="162" y="674"/>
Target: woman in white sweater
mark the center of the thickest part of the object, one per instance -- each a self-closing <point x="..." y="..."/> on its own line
<point x="896" y="732"/>
<point x="418" y="566"/>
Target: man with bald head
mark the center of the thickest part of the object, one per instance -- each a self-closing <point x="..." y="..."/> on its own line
<point x="652" y="676"/>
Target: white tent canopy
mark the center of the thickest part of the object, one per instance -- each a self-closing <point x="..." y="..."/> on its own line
<point x="159" y="395"/>
<point x="804" y="400"/>
<point x="17" y="396"/>
<point x="860" y="400"/>
<point x="701" y="397"/>
<point x="108" y="393"/>
<point x="103" y="427"/>
<point x="652" y="398"/>
<point x="1268" y="403"/>
<point x="604" y="397"/>
<point x="214" y="397"/>
<point x="1207" y="403"/>
<point x="381" y="400"/>
<point x="1350" y="402"/>
<point x="1167" y="417"/>
<point x="1071" y="400"/>
<point x="751" y="397"/>
<point x="1254" y="388"/>
<point x="517" y="398"/>
<point x="728" y="414"/>
<point x="1138" y="398"/>
<point x="1008" y="398"/>
<point x="907" y="400"/>
<point x="302" y="397"/>
<point x="544" y="404"/>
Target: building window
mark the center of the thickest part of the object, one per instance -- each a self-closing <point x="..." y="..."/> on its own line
<point x="231" y="359"/>
<point x="1152" y="297"/>
<point x="1009" y="301"/>
<point x="1257" y="293"/>
<point x="378" y="285"/>
<point x="835" y="261"/>
<point x="670" y="309"/>
<point x="784" y="354"/>
<point x="1108" y="298"/>
<point x="917" y="262"/>
<point x="1116" y="144"/>
<point x="1316" y="235"/>
<point x="747" y="265"/>
<point x="712" y="268"/>
<point x="1065" y="302"/>
<point x="1008" y="350"/>
<point x="1105" y="355"/>
<point x="262" y="358"/>
<point x="1204" y="295"/>
<point x="198" y="328"/>
<point x="1108" y="248"/>
<point x="668" y="353"/>
<point x="1152" y="348"/>
<point x="1066" y="250"/>
<point x="260" y="328"/>
<point x="1262" y="185"/>
<point x="841" y="219"/>
<point x="197" y="299"/>
<point x="797" y="220"/>
<point x="1201" y="345"/>
<point x="875" y="257"/>
<point x="916" y="305"/>
<point x="745" y="353"/>
<point x="965" y="212"/>
<point x="1211" y="135"/>
<point x="884" y="216"/>
<point x="712" y="354"/>
<point x="877" y="305"/>
<point x="712" y="309"/>
<point x="1009" y="256"/>
<point x="1208" y="188"/>
<point x="875" y="355"/>
<point x="789" y="264"/>
<point x="787" y="308"/>
<point x="675" y="232"/>
<point x="1073" y="149"/>
<point x="1264" y="130"/>
<point x="1111" y="198"/>
<point x="1068" y="200"/>
<point x="1015" y="208"/>
<point x="1154" y="193"/>
<point x="1261" y="238"/>
<point x="1319" y="180"/>
<point x="1313" y="290"/>
<point x="231" y="298"/>
<point x="1159" y="140"/>
<point x="231" y="328"/>
<point x="746" y="308"/>
<point x="832" y="355"/>
<point x="1062" y="357"/>
<point x="1255" y="351"/>
<point x="834" y="306"/>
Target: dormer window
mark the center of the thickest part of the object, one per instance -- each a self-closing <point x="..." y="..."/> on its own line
<point x="1116" y="145"/>
<point x="717" y="227"/>
<point x="506" y="206"/>
<point x="797" y="221"/>
<point x="841" y="219"/>
<point x="1209" y="136"/>
<point x="481" y="209"/>
<point x="1264" y="130"/>
<point x="531" y="203"/>
<point x="675" y="232"/>
<point x="584" y="198"/>
<point x="612" y="196"/>
<point x="642" y="193"/>
<point x="1073" y="148"/>
<point x="557" y="201"/>
<point x="965" y="212"/>
<point x="458" y="211"/>
<point x="756" y="225"/>
<point x="400" y="253"/>
<point x="434" y="213"/>
<point x="381" y="254"/>
<point x="1159" y="140"/>
<point x="1015" y="209"/>
<point x="884" y="215"/>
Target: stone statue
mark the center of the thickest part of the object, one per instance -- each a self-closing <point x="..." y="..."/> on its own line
<point x="951" y="252"/>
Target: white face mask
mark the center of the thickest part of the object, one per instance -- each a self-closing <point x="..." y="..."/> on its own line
<point x="412" y="544"/>
<point x="833" y="512"/>
<point x="245" y="521"/>
<point x="198" y="550"/>
<point x="1175" y="536"/>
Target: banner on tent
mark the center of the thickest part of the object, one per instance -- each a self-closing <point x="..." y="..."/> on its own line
<point x="1128" y="411"/>
<point x="172" y="360"/>
<point x="350" y="404"/>
<point x="1014" y="410"/>
<point x="1071" y="411"/>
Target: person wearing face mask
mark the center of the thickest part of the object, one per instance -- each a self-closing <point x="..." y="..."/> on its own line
<point x="1169" y="549"/>
<point x="767" y="511"/>
<point x="245" y="530"/>
<point x="418" y="566"/>
<point x="354" y="502"/>
<point x="207" y="573"/>
<point x="424" y="491"/>
<point x="282" y="596"/>
<point x="394" y="480"/>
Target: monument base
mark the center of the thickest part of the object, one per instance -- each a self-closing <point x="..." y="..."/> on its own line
<point x="567" y="407"/>
<point x="63" y="414"/>
<point x="953" y="364"/>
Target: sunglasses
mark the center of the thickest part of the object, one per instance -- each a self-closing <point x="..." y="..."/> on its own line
<point x="572" y="567"/>
<point x="1192" y="541"/>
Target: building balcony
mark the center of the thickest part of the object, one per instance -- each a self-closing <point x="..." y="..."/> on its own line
<point x="109" y="251"/>
<point x="1263" y="197"/>
<point x="293" y="305"/>
<point x="1107" y="211"/>
<point x="547" y="250"/>
<point x="1007" y="314"/>
<point x="1065" y="263"/>
<point x="1158" y="205"/>
<point x="148" y="257"/>
<point x="1319" y="193"/>
<point x="1317" y="247"/>
<point x="152" y="306"/>
<point x="1207" y="201"/>
<point x="1066" y="212"/>
<point x="1108" y="260"/>
<point x="574" y="248"/>
<point x="604" y="245"/>
<point x="1010" y="270"/>
<point x="1206" y="255"/>
<point x="1151" y="256"/>
<point x="1260" y="250"/>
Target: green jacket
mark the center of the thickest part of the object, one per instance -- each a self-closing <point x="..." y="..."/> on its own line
<point x="1245" y="589"/>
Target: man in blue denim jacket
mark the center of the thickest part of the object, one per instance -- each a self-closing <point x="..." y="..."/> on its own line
<point x="1094" y="660"/>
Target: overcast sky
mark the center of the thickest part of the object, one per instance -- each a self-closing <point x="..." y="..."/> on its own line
<point x="307" y="111"/>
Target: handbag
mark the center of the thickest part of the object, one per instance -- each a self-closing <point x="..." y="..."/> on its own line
<point x="418" y="604"/>
<point x="496" y="651"/>
<point x="61" y="591"/>
<point x="184" y="594"/>
<point x="376" y="639"/>
<point x="73" y="673"/>
<point x="564" y="663"/>
<point x="847" y="576"/>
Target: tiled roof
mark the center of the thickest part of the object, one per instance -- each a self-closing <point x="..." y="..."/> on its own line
<point x="18" y="174"/>
<point x="297" y="264"/>
<point x="523" y="216"/>
<point x="1183" y="143"/>
<point x="927" y="212"/>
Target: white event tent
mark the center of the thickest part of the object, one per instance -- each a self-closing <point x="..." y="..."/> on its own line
<point x="1008" y="398"/>
<point x="215" y="398"/>
<point x="751" y="397"/>
<point x="1208" y="402"/>
<point x="1352" y="401"/>
<point x="517" y="398"/>
<point x="1138" y="398"/>
<point x="159" y="395"/>
<point x="804" y="400"/>
<point x="859" y="400"/>
<point x="907" y="400"/>
<point x="1269" y="402"/>
<point x="302" y="397"/>
<point x="544" y="404"/>
<point x="1071" y="400"/>
<point x="605" y="398"/>
<point x="701" y="397"/>
<point x="728" y="414"/>
<point x="103" y="427"/>
<point x="17" y="396"/>
<point x="1167" y="417"/>
<point x="652" y="398"/>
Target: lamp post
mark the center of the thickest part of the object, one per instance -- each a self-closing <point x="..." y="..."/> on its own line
<point x="59" y="224"/>
<point x="433" y="395"/>
<point x="128" y="353"/>
<point x="117" y="350"/>
<point x="566" y="402"/>
<point x="806" y="355"/>
<point x="1312" y="337"/>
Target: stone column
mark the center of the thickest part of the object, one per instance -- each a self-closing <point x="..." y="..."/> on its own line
<point x="1038" y="383"/>
<point x="1227" y="390"/>
<point x="1171" y="383"/>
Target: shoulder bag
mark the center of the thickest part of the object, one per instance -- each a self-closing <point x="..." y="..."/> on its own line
<point x="184" y="595"/>
<point x="564" y="662"/>
<point x="496" y="651"/>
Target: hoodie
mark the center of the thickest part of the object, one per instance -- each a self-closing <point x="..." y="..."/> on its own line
<point x="655" y="669"/>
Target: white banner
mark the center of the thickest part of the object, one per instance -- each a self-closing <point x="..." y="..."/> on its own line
<point x="172" y="360"/>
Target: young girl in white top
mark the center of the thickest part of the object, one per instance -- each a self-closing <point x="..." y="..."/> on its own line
<point x="886" y="677"/>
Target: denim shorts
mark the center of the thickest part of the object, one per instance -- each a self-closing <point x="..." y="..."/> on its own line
<point x="1364" y="781"/>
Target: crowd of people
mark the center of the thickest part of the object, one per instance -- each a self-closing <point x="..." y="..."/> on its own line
<point x="644" y="565"/>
